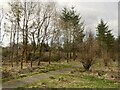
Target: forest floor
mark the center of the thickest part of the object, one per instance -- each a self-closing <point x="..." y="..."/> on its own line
<point x="64" y="75"/>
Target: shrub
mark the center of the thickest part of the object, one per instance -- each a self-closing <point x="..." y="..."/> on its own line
<point x="55" y="58"/>
<point x="89" y="52"/>
<point x="6" y="74"/>
<point x="87" y="61"/>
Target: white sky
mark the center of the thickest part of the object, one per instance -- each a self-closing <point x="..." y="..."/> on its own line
<point x="91" y="11"/>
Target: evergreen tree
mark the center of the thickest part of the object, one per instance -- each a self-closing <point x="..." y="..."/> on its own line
<point x="109" y="40"/>
<point x="101" y="33"/>
<point x="65" y="19"/>
<point x="106" y="41"/>
<point x="77" y="31"/>
<point x="104" y="36"/>
<point x="73" y="30"/>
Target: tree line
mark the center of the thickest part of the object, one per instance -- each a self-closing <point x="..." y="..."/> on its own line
<point x="40" y="32"/>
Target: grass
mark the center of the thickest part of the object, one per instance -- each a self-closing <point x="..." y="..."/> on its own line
<point x="77" y="78"/>
<point x="41" y="69"/>
<point x="15" y="77"/>
<point x="74" y="81"/>
<point x="94" y="82"/>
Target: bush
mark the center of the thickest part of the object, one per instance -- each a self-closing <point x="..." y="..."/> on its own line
<point x="5" y="52"/>
<point x="55" y="58"/>
<point x="6" y="74"/>
<point x="87" y="62"/>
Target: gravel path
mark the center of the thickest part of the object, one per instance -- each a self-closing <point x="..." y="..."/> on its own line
<point x="33" y="79"/>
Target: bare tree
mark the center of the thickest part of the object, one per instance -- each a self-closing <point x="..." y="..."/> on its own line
<point x="45" y="26"/>
<point x="89" y="52"/>
<point x="12" y="17"/>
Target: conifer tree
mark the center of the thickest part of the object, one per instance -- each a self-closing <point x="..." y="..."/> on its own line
<point x="106" y="41"/>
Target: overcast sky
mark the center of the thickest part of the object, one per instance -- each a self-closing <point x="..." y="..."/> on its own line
<point x="91" y="13"/>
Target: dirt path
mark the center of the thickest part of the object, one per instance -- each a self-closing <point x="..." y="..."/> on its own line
<point x="33" y="79"/>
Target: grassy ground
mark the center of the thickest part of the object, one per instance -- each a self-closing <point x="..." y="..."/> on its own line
<point x="26" y="72"/>
<point x="74" y="81"/>
<point x="98" y="76"/>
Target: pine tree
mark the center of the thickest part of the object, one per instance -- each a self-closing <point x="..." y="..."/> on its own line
<point x="104" y="36"/>
<point x="65" y="19"/>
<point x="109" y="40"/>
<point x="73" y="30"/>
<point x="101" y="33"/>
<point x="77" y="32"/>
<point x="106" y="41"/>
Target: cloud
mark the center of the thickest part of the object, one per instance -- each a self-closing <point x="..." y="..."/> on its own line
<point x="92" y="12"/>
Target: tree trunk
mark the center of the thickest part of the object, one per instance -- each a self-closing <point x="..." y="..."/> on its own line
<point x="74" y="55"/>
<point x="50" y="57"/>
<point x="67" y="56"/>
<point x="17" y="44"/>
<point x="10" y="57"/>
<point x="22" y="61"/>
<point x="14" y="34"/>
<point x="40" y="55"/>
<point x="31" y="62"/>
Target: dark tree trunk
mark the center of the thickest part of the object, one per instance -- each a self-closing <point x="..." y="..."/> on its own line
<point x="50" y="57"/>
<point x="67" y="56"/>
<point x="74" y="55"/>
<point x="70" y="55"/>
<point x="40" y="55"/>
